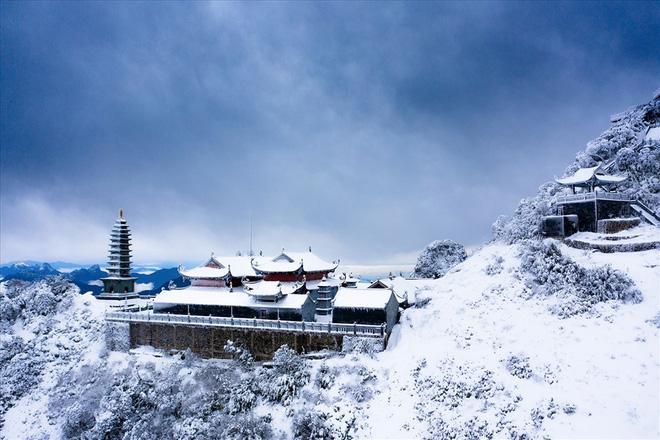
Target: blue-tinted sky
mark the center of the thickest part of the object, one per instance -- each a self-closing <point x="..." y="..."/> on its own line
<point x="364" y="129"/>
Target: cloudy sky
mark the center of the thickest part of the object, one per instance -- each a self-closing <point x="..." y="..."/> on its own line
<point x="364" y="130"/>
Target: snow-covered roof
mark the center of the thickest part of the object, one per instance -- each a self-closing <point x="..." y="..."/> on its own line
<point x="270" y="289"/>
<point x="239" y="266"/>
<point x="353" y="298"/>
<point x="293" y="262"/>
<point x="402" y="287"/>
<point x="213" y="296"/>
<point x="313" y="285"/>
<point x="220" y="267"/>
<point x="204" y="272"/>
<point x="590" y="175"/>
<point x="312" y="262"/>
<point x="385" y="283"/>
<point x="281" y="263"/>
<point x="653" y="133"/>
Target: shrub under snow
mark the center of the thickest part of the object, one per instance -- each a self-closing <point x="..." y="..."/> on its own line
<point x="519" y="366"/>
<point x="289" y="374"/>
<point x="438" y="258"/>
<point x="548" y="273"/>
<point x="57" y="357"/>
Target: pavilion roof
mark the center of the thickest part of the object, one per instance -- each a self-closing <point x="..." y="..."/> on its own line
<point x="592" y="175"/>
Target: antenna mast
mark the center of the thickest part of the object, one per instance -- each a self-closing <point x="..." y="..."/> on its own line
<point x="251" y="253"/>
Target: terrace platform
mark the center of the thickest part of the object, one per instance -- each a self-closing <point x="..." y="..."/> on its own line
<point x="207" y="336"/>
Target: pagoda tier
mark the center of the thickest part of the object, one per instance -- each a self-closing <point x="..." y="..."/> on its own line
<point x="119" y="284"/>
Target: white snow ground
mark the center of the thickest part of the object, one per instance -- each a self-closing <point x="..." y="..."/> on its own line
<point x="478" y="358"/>
<point x="606" y="367"/>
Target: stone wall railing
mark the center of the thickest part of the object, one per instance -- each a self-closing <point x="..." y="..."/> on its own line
<point x="581" y="197"/>
<point x="247" y="323"/>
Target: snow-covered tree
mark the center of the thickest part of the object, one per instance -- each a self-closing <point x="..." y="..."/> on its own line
<point x="289" y="374"/>
<point x="438" y="257"/>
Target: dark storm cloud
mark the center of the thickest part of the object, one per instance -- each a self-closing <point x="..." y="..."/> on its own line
<point x="364" y="129"/>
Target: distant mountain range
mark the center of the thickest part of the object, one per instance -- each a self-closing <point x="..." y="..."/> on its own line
<point x="88" y="279"/>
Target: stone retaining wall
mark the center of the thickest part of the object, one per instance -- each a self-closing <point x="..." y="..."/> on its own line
<point x="614" y="247"/>
<point x="614" y="225"/>
<point x="210" y="341"/>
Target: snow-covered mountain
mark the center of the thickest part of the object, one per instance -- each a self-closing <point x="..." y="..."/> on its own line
<point x="526" y="338"/>
<point x="88" y="279"/>
<point x="28" y="271"/>
<point x="487" y="355"/>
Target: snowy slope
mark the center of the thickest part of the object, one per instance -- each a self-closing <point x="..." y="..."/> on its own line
<point x="56" y="329"/>
<point x="479" y="358"/>
<point x="587" y="376"/>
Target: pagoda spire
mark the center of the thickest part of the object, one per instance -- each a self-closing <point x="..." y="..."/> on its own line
<point x="119" y="284"/>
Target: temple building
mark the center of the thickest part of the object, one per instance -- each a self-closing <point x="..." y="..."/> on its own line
<point x="119" y="284"/>
<point x="234" y="271"/>
<point x="589" y="179"/>
<point x="365" y="306"/>
<point x="593" y="204"/>
<point x="222" y="272"/>
<point x="592" y="198"/>
<point x="400" y="286"/>
<point x="293" y="266"/>
<point x="261" y="300"/>
<point x="292" y="286"/>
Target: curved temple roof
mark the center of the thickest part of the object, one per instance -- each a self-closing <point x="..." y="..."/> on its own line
<point x="251" y="267"/>
<point x="588" y="176"/>
<point x="204" y="272"/>
<point x="293" y="262"/>
<point x="221" y="267"/>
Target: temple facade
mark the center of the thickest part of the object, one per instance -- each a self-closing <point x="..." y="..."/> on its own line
<point x="293" y="266"/>
<point x="119" y="284"/>
<point x="592" y="203"/>
<point x="222" y="272"/>
<point x="292" y="286"/>
<point x="288" y="267"/>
